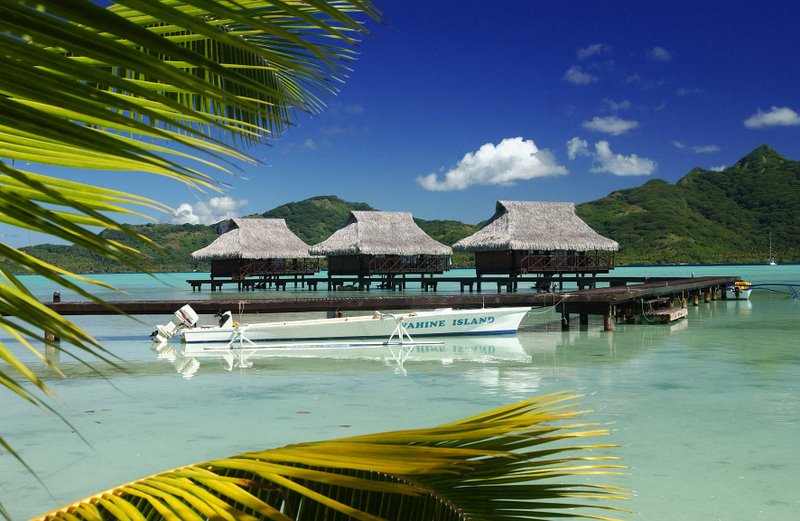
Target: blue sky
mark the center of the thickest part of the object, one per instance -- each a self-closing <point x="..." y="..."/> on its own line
<point x="454" y="105"/>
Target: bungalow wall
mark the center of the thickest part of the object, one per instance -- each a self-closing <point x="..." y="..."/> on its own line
<point x="344" y="265"/>
<point x="386" y="264"/>
<point x="247" y="268"/>
<point x="225" y="268"/>
<point x="518" y="262"/>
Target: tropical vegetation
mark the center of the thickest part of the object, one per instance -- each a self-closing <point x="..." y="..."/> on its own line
<point x="174" y="88"/>
<point x="160" y="87"/>
<point x="518" y="462"/>
<point x="313" y="220"/>
<point x="707" y="217"/>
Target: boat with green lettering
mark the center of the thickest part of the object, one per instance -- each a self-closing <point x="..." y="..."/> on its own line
<point x="436" y="322"/>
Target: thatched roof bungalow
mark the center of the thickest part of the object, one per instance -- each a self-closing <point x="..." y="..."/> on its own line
<point x="538" y="237"/>
<point x="257" y="248"/>
<point x="382" y="243"/>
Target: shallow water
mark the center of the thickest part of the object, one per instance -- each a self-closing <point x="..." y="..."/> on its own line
<point x="706" y="409"/>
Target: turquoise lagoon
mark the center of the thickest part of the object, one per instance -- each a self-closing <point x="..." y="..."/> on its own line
<point x="707" y="410"/>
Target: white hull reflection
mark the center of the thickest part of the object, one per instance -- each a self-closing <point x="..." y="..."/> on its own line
<point x="483" y="349"/>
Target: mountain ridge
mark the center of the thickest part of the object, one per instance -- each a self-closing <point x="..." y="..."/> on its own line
<point x="707" y="216"/>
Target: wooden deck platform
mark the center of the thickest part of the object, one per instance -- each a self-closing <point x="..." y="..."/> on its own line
<point x="608" y="302"/>
<point x="427" y="283"/>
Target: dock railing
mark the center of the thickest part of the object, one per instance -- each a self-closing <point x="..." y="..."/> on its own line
<point x="567" y="262"/>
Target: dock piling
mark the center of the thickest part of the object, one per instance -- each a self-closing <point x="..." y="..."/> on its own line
<point x="608" y="323"/>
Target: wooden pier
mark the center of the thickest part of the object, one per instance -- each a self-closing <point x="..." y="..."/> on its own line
<point x="426" y="283"/>
<point x="621" y="298"/>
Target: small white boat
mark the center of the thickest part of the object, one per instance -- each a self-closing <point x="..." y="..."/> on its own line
<point x="387" y="326"/>
<point x="739" y="290"/>
<point x="771" y="259"/>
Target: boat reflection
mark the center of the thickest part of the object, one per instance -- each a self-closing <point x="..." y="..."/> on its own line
<point x="481" y="349"/>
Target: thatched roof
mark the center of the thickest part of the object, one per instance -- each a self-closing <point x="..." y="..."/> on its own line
<point x="380" y="233"/>
<point x="255" y="239"/>
<point x="528" y="225"/>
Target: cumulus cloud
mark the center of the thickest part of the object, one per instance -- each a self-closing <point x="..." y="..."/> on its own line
<point x="513" y="159"/>
<point x="659" y="54"/>
<point x="610" y="125"/>
<point x="608" y="162"/>
<point x="207" y="212"/>
<point x="776" y="117"/>
<point x="578" y="76"/>
<point x="718" y="168"/>
<point x="577" y="147"/>
<point x="679" y="145"/>
<point x="594" y="49"/>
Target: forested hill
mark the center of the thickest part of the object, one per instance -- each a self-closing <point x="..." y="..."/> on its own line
<point x="707" y="217"/>
<point x="313" y="220"/>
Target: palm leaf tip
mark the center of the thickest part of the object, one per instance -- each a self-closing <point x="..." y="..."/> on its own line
<point x="436" y="474"/>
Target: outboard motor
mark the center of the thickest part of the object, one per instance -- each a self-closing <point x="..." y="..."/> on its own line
<point x="225" y="319"/>
<point x="184" y="317"/>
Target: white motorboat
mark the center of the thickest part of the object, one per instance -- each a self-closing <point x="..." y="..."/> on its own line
<point x="739" y="290"/>
<point x="386" y="326"/>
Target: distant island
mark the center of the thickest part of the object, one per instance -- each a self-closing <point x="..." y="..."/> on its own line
<point x="707" y="217"/>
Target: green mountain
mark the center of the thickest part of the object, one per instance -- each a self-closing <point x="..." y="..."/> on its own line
<point x="177" y="242"/>
<point x="706" y="217"/>
<point x="315" y="219"/>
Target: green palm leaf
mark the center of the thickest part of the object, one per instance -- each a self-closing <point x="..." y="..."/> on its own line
<point x="490" y="467"/>
<point x="164" y="87"/>
<point x="193" y="74"/>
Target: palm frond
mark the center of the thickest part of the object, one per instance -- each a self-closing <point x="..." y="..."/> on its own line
<point x="165" y="87"/>
<point x="490" y="467"/>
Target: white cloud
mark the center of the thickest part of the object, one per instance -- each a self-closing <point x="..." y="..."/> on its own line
<point x="776" y="117"/>
<point x="719" y="168"/>
<point x="309" y="144"/>
<point x="207" y="212"/>
<point x="659" y="54"/>
<point x="577" y="76"/>
<point x="513" y="159"/>
<point x="697" y="149"/>
<point x="616" y="106"/>
<point x="610" y="125"/>
<point x="577" y="147"/>
<point x="617" y="164"/>
<point x="705" y="149"/>
<point x="592" y="50"/>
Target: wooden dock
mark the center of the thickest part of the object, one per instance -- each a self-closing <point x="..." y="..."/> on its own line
<point x="612" y="302"/>
<point x="426" y="283"/>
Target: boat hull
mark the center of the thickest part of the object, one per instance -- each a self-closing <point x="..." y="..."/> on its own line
<point x="740" y="290"/>
<point x="422" y="323"/>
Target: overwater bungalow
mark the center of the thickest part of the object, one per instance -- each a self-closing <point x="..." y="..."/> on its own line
<point x="541" y="238"/>
<point x="384" y="244"/>
<point x="257" y="249"/>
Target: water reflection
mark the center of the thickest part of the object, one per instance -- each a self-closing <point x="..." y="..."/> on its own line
<point x="482" y="349"/>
